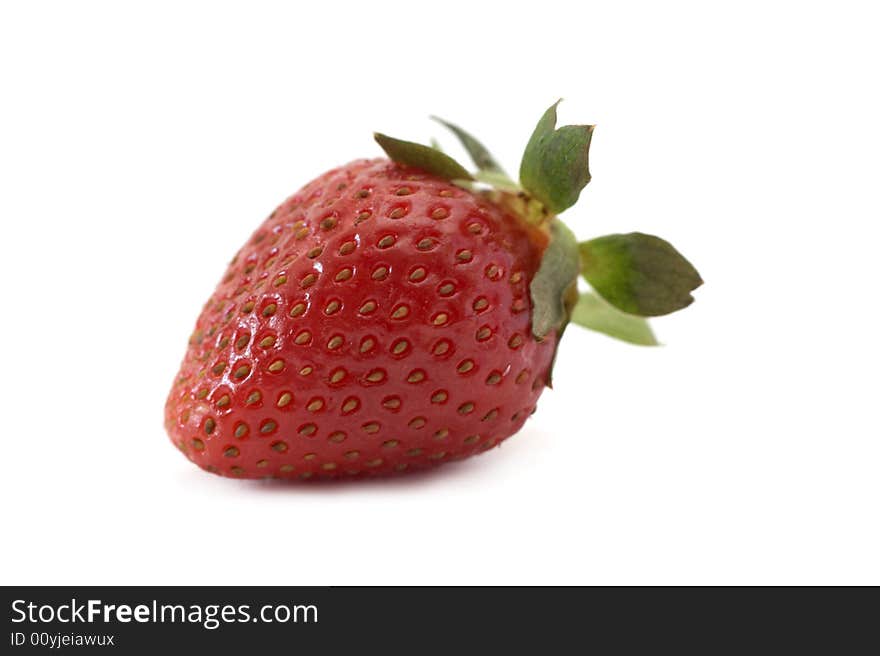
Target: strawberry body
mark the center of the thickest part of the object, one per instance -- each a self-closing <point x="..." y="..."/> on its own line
<point x="378" y="321"/>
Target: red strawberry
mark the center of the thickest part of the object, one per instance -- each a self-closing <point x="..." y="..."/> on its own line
<point x="385" y="319"/>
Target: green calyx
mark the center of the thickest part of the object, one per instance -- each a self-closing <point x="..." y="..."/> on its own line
<point x="632" y="276"/>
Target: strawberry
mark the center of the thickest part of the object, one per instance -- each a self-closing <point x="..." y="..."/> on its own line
<point x="396" y="314"/>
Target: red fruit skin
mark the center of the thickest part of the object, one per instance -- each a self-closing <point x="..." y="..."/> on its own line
<point x="377" y="322"/>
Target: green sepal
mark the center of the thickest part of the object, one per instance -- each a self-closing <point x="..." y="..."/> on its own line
<point x="596" y="314"/>
<point x="481" y="156"/>
<point x="639" y="274"/>
<point x="422" y="157"/>
<point x="555" y="165"/>
<point x="551" y="287"/>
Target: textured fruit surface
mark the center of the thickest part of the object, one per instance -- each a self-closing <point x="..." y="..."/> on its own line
<point x="377" y="322"/>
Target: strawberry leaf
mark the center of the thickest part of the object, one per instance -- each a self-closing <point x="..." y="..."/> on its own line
<point x="595" y="314"/>
<point x="481" y="156"/>
<point x="639" y="274"/>
<point x="422" y="157"/>
<point x="555" y="165"/>
<point x="553" y="281"/>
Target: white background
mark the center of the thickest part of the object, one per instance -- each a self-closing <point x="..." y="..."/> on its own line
<point x="141" y="144"/>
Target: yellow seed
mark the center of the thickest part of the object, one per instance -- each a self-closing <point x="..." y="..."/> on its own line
<point x="242" y="371"/>
<point x="284" y="399"/>
<point x="332" y="307"/>
<point x="297" y="309"/>
<point x="280" y="280"/>
<point x="350" y="405"/>
<point x="307" y="429"/>
<point x="303" y="338"/>
<point x="218" y="368"/>
<point x="481" y="304"/>
<point x="231" y="452"/>
<point x="198" y="445"/>
<point x="305" y="371"/>
<point x="418" y="422"/>
<point x="494" y="378"/>
<point x="400" y="312"/>
<point x="266" y="342"/>
<point x="474" y="228"/>
<point x="416" y="376"/>
<point x="489" y="416"/>
<point x="439" y="397"/>
<point x="439" y="213"/>
<point x="247" y="307"/>
<point x="262" y="463"/>
<point x="367" y="344"/>
<point x="337" y="375"/>
<point x="376" y="376"/>
<point x="352" y="455"/>
<point x="441" y="348"/>
<point x="335" y="342"/>
<point x="522" y="376"/>
<point x="343" y="275"/>
<point x="286" y="468"/>
<point x="400" y="346"/>
<point x="380" y="273"/>
<point x="515" y="341"/>
<point x="368" y="307"/>
<point x="223" y="343"/>
<point x="385" y="242"/>
<point x="465" y="366"/>
<point x="397" y="213"/>
<point x="238" y="471"/>
<point x="268" y="426"/>
<point x="484" y="333"/>
<point x="328" y="466"/>
<point x="337" y="437"/>
<point x="403" y="191"/>
<point x="328" y="223"/>
<point x="363" y="216"/>
<point x="269" y="310"/>
<point x="279" y="447"/>
<point x="315" y="252"/>
<point x="392" y="403"/>
<point x="202" y="393"/>
<point x="223" y="401"/>
<point x="414" y="452"/>
<point x="241" y="430"/>
<point x="374" y="462"/>
<point x="390" y="444"/>
<point x="371" y="427"/>
<point x="466" y="408"/>
<point x="464" y="256"/>
<point x="418" y="274"/>
<point x="438" y="456"/>
<point x="426" y="244"/>
<point x="253" y="397"/>
<point x="440" y="318"/>
<point x="242" y="341"/>
<point x="470" y="439"/>
<point x="210" y="425"/>
<point x="446" y="289"/>
<point x="308" y="280"/>
<point x="315" y="405"/>
<point x="276" y="366"/>
<point x="347" y="248"/>
<point x="441" y="434"/>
